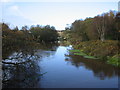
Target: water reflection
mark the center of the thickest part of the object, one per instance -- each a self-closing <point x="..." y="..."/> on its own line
<point x="76" y="72"/>
<point x="23" y="67"/>
<point x="20" y="65"/>
<point x="100" y="69"/>
<point x="21" y="76"/>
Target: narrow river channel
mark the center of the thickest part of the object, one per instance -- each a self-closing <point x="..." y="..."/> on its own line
<point x="61" y="69"/>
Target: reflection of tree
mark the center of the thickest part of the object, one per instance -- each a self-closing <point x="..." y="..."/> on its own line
<point x="21" y="76"/>
<point x="9" y="50"/>
<point x="100" y="69"/>
<point x="20" y="68"/>
<point x="20" y="58"/>
<point x="26" y="49"/>
<point x="45" y="53"/>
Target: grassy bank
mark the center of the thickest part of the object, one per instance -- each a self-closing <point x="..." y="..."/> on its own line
<point x="107" y="51"/>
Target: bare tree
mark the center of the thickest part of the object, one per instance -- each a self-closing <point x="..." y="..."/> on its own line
<point x="100" y="24"/>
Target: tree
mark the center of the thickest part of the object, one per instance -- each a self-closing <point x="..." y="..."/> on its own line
<point x="16" y="29"/>
<point x="100" y="24"/>
<point x="44" y="34"/>
<point x="24" y="28"/>
<point x="117" y="20"/>
<point x="101" y="27"/>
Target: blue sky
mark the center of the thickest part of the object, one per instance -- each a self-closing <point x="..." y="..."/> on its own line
<point x="58" y="14"/>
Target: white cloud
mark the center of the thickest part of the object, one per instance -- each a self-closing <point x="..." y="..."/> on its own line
<point x="15" y="11"/>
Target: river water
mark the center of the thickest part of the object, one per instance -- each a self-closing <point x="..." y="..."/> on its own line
<point x="59" y="68"/>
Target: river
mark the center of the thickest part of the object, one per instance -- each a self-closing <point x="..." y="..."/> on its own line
<point x="58" y="68"/>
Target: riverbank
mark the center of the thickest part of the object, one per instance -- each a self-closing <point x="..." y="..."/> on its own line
<point x="107" y="51"/>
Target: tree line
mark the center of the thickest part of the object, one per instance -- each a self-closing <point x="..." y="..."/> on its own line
<point x="39" y="34"/>
<point x="101" y="27"/>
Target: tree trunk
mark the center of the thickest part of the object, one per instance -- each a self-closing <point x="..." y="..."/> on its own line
<point x="102" y="37"/>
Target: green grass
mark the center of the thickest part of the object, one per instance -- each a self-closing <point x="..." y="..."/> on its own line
<point x="114" y="61"/>
<point x="90" y="57"/>
<point x="75" y="50"/>
<point x="80" y="53"/>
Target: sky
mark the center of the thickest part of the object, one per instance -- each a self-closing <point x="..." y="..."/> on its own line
<point x="57" y="13"/>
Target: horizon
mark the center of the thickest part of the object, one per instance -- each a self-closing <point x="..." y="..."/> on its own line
<point x="57" y="14"/>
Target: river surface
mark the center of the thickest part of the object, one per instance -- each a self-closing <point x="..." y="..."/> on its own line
<point x="61" y="69"/>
